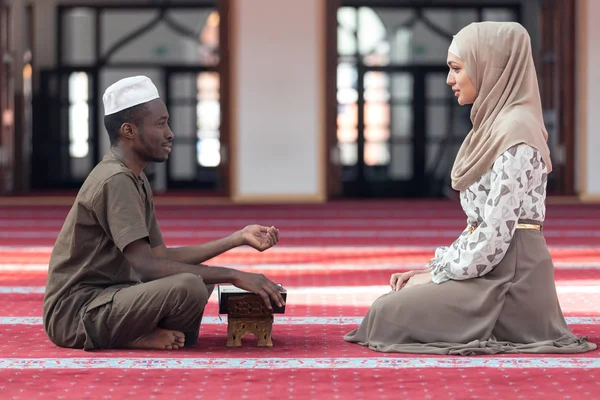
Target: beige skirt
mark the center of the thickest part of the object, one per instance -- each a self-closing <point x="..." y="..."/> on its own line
<point x="512" y="309"/>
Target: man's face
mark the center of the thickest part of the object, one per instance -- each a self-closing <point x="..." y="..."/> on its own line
<point x="154" y="138"/>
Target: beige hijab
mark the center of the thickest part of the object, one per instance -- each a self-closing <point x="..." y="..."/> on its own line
<point x="508" y="110"/>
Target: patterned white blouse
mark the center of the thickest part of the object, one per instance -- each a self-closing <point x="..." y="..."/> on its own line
<point x="513" y="189"/>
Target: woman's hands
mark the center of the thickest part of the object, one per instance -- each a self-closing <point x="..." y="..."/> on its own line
<point x="419" y="279"/>
<point x="400" y="280"/>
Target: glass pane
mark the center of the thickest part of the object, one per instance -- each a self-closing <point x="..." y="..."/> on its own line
<point x="347" y="135"/>
<point x="208" y="134"/>
<point x="441" y="18"/>
<point x="209" y="152"/>
<point x="401" y="164"/>
<point x="377" y="95"/>
<point x="384" y="45"/>
<point x="181" y="161"/>
<point x="200" y="31"/>
<point x="79" y="149"/>
<point x="81" y="167"/>
<point x="370" y="31"/>
<point x="118" y="24"/>
<point x="348" y="153"/>
<point x="183" y="86"/>
<point x="377" y="153"/>
<point x="346" y="42"/>
<point x="422" y="43"/>
<point x="376" y="30"/>
<point x="450" y="20"/>
<point x="208" y="50"/>
<point x="402" y="121"/>
<point x="79" y="128"/>
<point x="208" y="114"/>
<point x="79" y="115"/>
<point x="207" y="86"/>
<point x="454" y="152"/>
<point x="377" y="108"/>
<point x="461" y="123"/>
<point x="432" y="155"/>
<point x="182" y="122"/>
<point x="437" y="121"/>
<point x="402" y="87"/>
<point x="377" y="114"/>
<point x="436" y="87"/>
<point x="347" y="95"/>
<point x="162" y="43"/>
<point x="401" y="45"/>
<point x="376" y="81"/>
<point x="440" y="159"/>
<point x="346" y="76"/>
<point x="79" y="88"/>
<point x="346" y="18"/>
<point x="498" y="14"/>
<point x="208" y="108"/>
<point x="346" y="36"/>
<point x="347" y="116"/>
<point x="194" y="19"/>
<point x="392" y="18"/>
<point x="78" y="36"/>
<point x="428" y="47"/>
<point x="377" y="134"/>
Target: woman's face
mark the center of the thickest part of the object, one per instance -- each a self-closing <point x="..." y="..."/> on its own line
<point x="460" y="82"/>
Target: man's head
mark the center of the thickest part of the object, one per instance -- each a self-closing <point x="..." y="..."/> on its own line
<point x="137" y="119"/>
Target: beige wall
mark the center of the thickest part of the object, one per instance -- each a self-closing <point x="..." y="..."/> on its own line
<point x="278" y="100"/>
<point x="588" y="99"/>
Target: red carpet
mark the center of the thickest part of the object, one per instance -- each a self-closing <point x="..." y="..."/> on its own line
<point x="426" y="383"/>
<point x="289" y="340"/>
<point x="335" y="259"/>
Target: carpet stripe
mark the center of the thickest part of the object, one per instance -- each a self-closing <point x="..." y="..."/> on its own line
<point x="314" y="266"/>
<point x="314" y="248"/>
<point x="594" y="289"/>
<point x="304" y="222"/>
<point x="285" y="320"/>
<point x="312" y="234"/>
<point x="299" y="363"/>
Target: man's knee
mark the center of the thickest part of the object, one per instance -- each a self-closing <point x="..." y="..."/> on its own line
<point x="190" y="288"/>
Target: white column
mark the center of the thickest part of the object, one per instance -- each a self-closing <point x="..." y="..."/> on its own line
<point x="278" y="129"/>
<point x="587" y="99"/>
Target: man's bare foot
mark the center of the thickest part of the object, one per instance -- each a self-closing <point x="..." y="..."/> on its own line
<point x="160" y="339"/>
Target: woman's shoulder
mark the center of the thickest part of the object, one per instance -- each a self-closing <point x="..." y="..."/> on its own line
<point x="520" y="150"/>
<point x="519" y="156"/>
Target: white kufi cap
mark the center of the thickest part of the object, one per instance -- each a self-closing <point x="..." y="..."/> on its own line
<point x="128" y="92"/>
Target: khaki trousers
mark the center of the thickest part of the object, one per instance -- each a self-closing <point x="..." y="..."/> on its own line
<point x="121" y="314"/>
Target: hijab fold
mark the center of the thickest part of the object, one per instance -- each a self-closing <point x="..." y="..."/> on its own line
<point x="508" y="109"/>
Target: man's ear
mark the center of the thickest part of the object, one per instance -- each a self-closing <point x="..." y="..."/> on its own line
<point x="127" y="130"/>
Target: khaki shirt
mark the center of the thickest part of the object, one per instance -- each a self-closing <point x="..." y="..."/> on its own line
<point x="113" y="208"/>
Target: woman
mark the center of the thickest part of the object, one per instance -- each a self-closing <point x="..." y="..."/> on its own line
<point x="493" y="290"/>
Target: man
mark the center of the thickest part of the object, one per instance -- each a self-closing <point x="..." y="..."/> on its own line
<point x="112" y="282"/>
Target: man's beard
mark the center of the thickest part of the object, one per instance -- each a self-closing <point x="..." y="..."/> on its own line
<point x="148" y="154"/>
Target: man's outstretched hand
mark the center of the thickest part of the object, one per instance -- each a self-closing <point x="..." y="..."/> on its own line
<point x="259" y="284"/>
<point x="259" y="237"/>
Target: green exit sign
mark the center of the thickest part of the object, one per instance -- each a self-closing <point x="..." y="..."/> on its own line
<point x="160" y="51"/>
